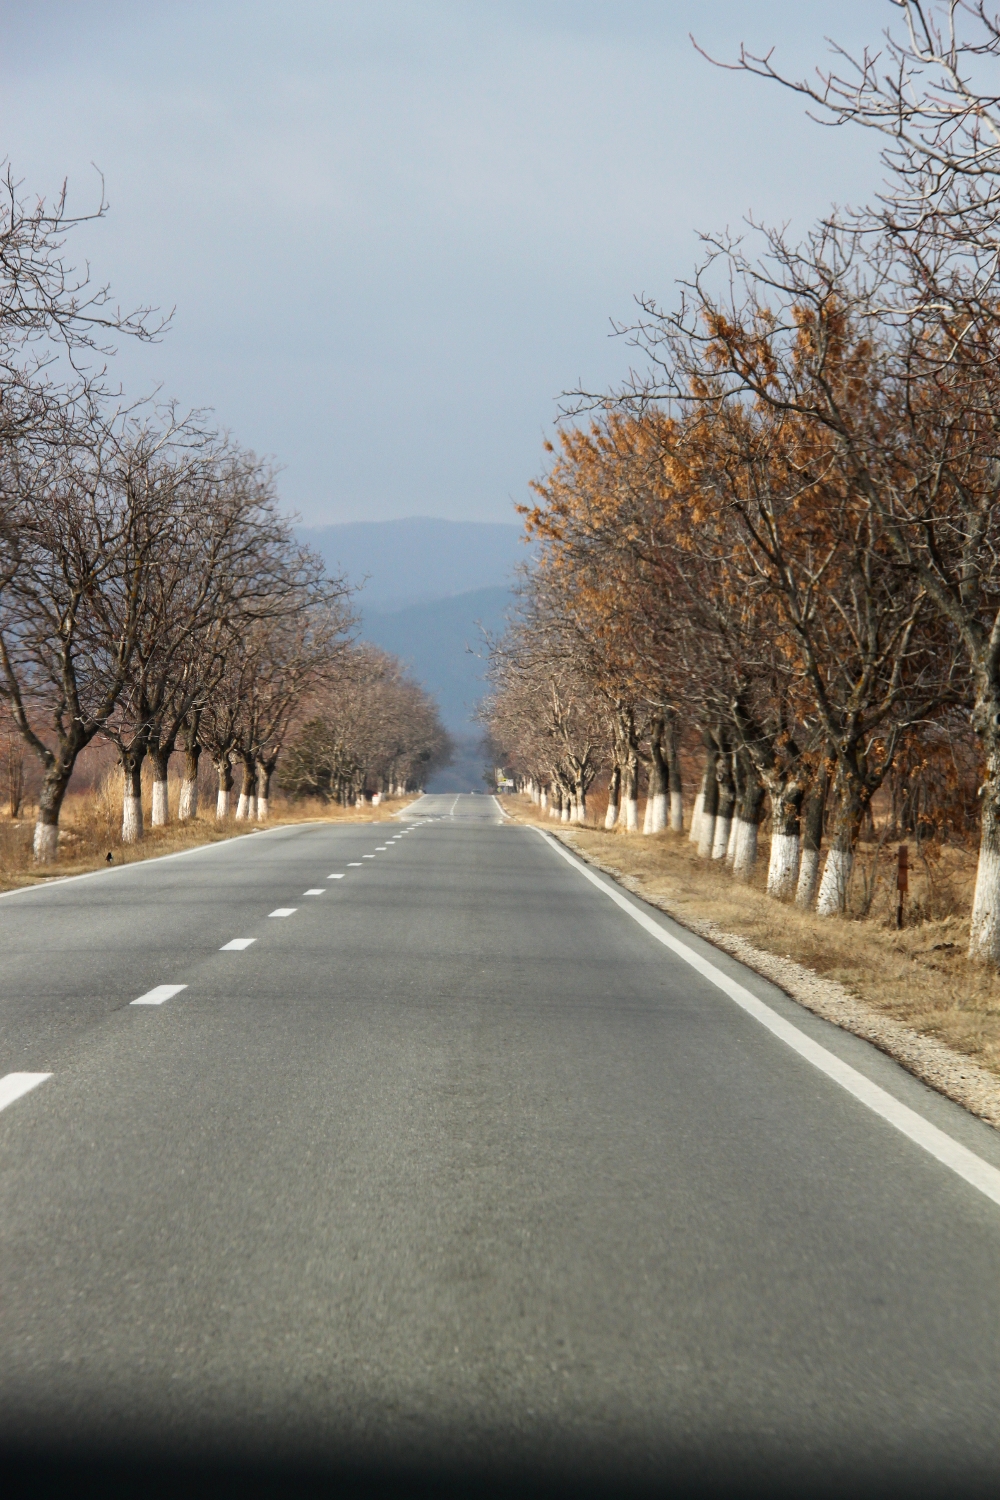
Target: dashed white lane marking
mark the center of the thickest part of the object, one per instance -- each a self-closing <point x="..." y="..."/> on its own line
<point x="16" y="1084"/>
<point x="335" y="877"/>
<point x="963" y="1162"/>
<point x="237" y="945"/>
<point x="159" y="994"/>
<point x="379" y="849"/>
<point x="367" y="856"/>
<point x="354" y="864"/>
<point x="316" y="890"/>
<point x="283" y="911"/>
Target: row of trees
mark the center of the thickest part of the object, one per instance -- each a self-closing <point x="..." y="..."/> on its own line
<point x="371" y="729"/>
<point x="785" y="538"/>
<point x="152" y="594"/>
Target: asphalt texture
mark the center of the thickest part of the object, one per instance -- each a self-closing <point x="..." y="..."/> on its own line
<point x="455" y="1170"/>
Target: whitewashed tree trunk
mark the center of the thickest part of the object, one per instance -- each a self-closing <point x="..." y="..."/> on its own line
<point x="632" y="815"/>
<point x="661" y="805"/>
<point x="805" y="891"/>
<point x="222" y="803"/>
<point x="647" y="815"/>
<point x="695" y="831"/>
<point x="783" y="869"/>
<point x="677" y="812"/>
<point x="720" y="837"/>
<point x="544" y="799"/>
<point x="734" y="824"/>
<point x="262" y="803"/>
<point x="46" y="842"/>
<point x="565" y="811"/>
<point x="160" y="816"/>
<point x="242" y="808"/>
<point x="132" y="829"/>
<point x="251" y="807"/>
<point x="833" y="888"/>
<point x="744" y="849"/>
<point x="706" y="834"/>
<point x="611" y="816"/>
<point x="187" y="805"/>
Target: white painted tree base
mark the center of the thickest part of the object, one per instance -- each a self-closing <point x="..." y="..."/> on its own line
<point x="46" y="842"/>
<point x="658" y="819"/>
<point x="833" y="888"/>
<point x="262" y="809"/>
<point x="565" y="813"/>
<point x="706" y="834"/>
<point x="611" y="816"/>
<point x="744" y="849"/>
<point x="699" y="803"/>
<point x="783" y="868"/>
<point x="222" y="805"/>
<point x="805" y="891"/>
<point x="241" y="807"/>
<point x="187" y="806"/>
<point x="132" y="820"/>
<point x="632" y="815"/>
<point x="160" y="815"/>
<point x="731" y="846"/>
<point x="984" y="933"/>
<point x="720" y="837"/>
<point x="677" y="812"/>
<point x="647" y="816"/>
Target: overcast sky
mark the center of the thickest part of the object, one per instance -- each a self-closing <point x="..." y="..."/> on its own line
<point x="395" y="232"/>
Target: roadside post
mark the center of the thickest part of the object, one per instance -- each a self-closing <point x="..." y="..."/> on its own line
<point x="902" y="881"/>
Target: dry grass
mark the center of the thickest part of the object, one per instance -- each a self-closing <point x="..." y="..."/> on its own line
<point x="919" y="976"/>
<point x="90" y="829"/>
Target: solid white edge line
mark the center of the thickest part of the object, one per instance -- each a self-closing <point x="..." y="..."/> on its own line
<point x="963" y="1162"/>
<point x="16" y="1085"/>
<point x="496" y="803"/>
<point x="160" y="993"/>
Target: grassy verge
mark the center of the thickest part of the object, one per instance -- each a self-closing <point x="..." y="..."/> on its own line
<point x="90" y="830"/>
<point x="914" y="992"/>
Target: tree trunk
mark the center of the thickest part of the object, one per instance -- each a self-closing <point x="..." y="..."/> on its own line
<point x="247" y="805"/>
<point x="161" y="804"/>
<point x="696" y="812"/>
<point x="747" y="822"/>
<point x="224" y="771"/>
<point x="50" y="801"/>
<point x="658" y="785"/>
<point x="630" y="791"/>
<point x="840" y="859"/>
<point x="188" y="806"/>
<point x="783" y="869"/>
<point x="614" y="792"/>
<point x="984" y="933"/>
<point x="132" y="759"/>
<point x="812" y="839"/>
<point x="265" y="770"/>
<point x="674" y="783"/>
<point x="724" y="809"/>
<point x="709" y="807"/>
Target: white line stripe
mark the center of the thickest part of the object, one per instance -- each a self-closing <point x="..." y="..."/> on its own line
<point x="966" y="1164"/>
<point x="16" y="1084"/>
<point x="354" y="864"/>
<point x="335" y="877"/>
<point x="159" y="994"/>
<point x="283" y="911"/>
<point x="237" y="945"/>
<point x="316" y="890"/>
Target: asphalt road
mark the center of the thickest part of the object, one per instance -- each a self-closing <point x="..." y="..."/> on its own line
<point x="457" y="1165"/>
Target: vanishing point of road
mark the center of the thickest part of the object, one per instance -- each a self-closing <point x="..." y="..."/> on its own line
<point x="421" y="1146"/>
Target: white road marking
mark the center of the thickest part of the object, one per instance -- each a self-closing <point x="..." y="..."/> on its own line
<point x="963" y="1162"/>
<point x="237" y="945"/>
<point x="367" y="856"/>
<point x="162" y="992"/>
<point x="451" y="812"/>
<point x="354" y="864"/>
<point x="16" y="1084"/>
<point x="335" y="877"/>
<point x="283" y="911"/>
<point x="316" y="890"/>
<point x="379" y="848"/>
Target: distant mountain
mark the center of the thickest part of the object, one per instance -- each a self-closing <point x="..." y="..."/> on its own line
<point x="442" y="643"/>
<point x="418" y="559"/>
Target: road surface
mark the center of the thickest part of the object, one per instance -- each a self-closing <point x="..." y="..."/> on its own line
<point x="451" y="1164"/>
